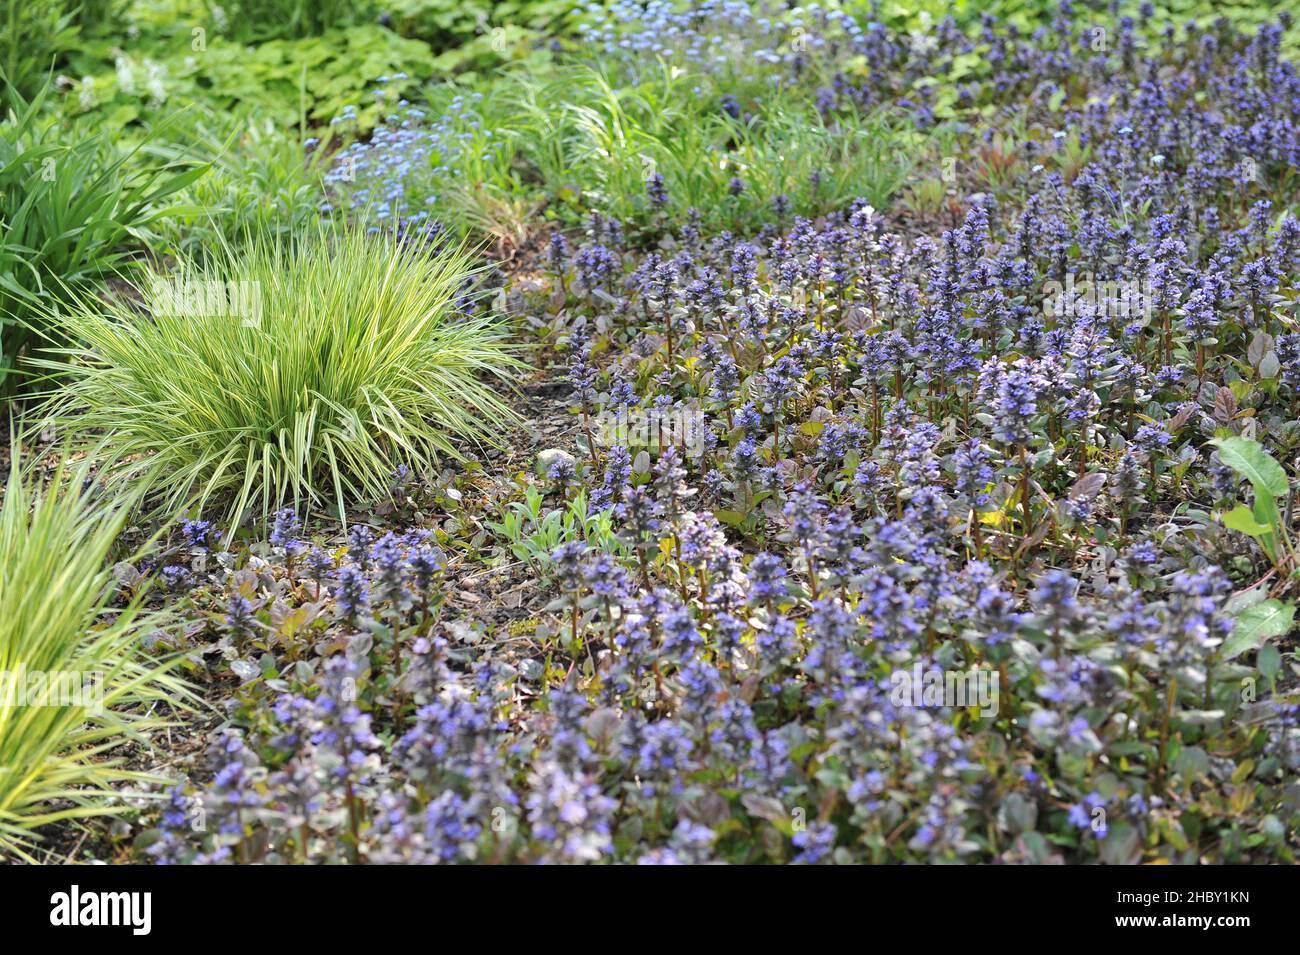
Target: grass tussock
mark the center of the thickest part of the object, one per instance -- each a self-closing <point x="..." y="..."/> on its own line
<point x="285" y="376"/>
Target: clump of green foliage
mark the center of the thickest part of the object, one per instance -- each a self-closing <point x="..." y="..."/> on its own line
<point x="261" y="181"/>
<point x="279" y="79"/>
<point x="599" y="145"/>
<point x="270" y="19"/>
<point x="70" y="205"/>
<point x="301" y="373"/>
<point x="532" y="532"/>
<point x="77" y="682"/>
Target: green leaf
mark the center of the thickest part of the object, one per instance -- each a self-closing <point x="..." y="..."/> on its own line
<point x="1249" y="459"/>
<point x="1255" y="624"/>
<point x="730" y="518"/>
<point x="1242" y="520"/>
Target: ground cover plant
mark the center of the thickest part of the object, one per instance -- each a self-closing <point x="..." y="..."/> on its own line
<point x="734" y="432"/>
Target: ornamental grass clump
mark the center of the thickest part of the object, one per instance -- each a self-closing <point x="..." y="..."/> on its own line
<point x="285" y="376"/>
<point x="75" y="684"/>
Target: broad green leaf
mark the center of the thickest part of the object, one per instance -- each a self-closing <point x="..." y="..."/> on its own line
<point x="1255" y="624"/>
<point x="1242" y="520"/>
<point x="1237" y="603"/>
<point x="1249" y="459"/>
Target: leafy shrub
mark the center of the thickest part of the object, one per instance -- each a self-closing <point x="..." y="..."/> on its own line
<point x="280" y="79"/>
<point x="453" y="23"/>
<point x="268" y="19"/>
<point x="478" y="36"/>
<point x="286" y="374"/>
<point x="69" y="203"/>
<point x="56" y="621"/>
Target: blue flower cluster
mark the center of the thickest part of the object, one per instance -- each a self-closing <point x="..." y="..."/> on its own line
<point x="410" y="160"/>
<point x="938" y="574"/>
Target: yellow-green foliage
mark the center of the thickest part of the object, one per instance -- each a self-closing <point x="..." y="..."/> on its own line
<point x="56" y="761"/>
<point x="278" y="375"/>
